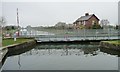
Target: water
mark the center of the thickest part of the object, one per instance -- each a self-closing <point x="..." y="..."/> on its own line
<point x="63" y="57"/>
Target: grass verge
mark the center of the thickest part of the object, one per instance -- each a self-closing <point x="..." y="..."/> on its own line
<point x="11" y="41"/>
<point x="116" y="42"/>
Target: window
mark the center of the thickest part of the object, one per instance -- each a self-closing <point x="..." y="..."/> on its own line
<point x="93" y="22"/>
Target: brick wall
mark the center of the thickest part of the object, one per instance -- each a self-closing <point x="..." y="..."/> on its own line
<point x="89" y="22"/>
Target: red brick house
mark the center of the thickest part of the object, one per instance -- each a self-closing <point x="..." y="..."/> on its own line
<point x="86" y="21"/>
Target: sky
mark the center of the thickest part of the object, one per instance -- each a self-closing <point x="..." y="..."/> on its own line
<point x="49" y="13"/>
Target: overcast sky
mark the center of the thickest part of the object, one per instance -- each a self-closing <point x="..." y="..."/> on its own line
<point x="49" y="13"/>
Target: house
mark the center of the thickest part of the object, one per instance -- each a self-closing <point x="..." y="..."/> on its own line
<point x="86" y="21"/>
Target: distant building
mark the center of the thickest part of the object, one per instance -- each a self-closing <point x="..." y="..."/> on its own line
<point x="86" y="21"/>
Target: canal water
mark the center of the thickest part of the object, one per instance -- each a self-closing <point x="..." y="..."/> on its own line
<point x="61" y="56"/>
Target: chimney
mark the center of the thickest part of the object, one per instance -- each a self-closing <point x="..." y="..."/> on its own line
<point x="86" y="14"/>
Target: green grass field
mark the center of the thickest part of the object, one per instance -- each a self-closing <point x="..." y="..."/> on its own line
<point x="11" y="41"/>
<point x="116" y="42"/>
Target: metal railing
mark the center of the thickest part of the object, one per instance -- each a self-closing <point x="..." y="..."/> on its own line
<point x="91" y="34"/>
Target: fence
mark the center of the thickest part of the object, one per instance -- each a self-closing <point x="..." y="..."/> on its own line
<point x="84" y="32"/>
<point x="70" y="34"/>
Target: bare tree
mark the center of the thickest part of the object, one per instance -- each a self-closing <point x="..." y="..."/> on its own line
<point x="104" y="23"/>
<point x="2" y="24"/>
<point x="2" y="21"/>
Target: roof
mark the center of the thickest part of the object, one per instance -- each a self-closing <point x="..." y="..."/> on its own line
<point x="83" y="18"/>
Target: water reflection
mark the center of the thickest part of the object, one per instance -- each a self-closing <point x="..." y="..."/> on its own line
<point x="110" y="51"/>
<point x="19" y="61"/>
<point x="62" y="56"/>
<point x="64" y="50"/>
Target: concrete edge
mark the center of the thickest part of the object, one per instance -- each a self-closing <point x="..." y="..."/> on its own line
<point x="12" y="46"/>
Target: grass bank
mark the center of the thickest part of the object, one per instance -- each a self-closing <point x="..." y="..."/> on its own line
<point x="11" y="41"/>
<point x="115" y="42"/>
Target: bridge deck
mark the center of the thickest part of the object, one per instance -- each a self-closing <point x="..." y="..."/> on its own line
<point x="48" y="35"/>
<point x="55" y="39"/>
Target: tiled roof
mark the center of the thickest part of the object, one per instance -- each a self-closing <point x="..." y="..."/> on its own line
<point x="82" y="18"/>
